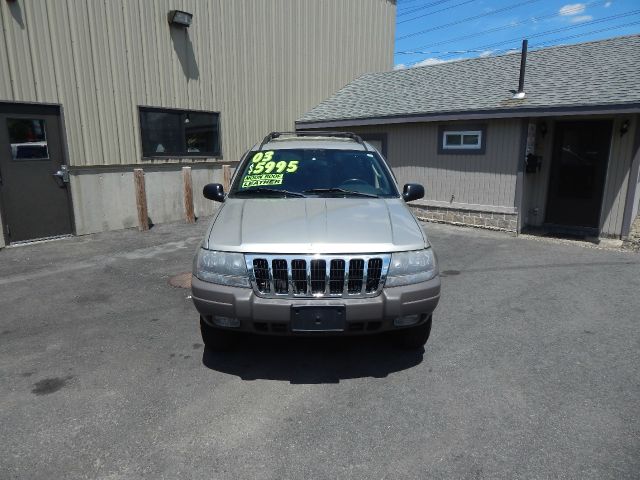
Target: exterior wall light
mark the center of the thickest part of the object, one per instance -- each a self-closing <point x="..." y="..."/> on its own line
<point x="624" y="128"/>
<point x="180" y="18"/>
<point x="543" y="128"/>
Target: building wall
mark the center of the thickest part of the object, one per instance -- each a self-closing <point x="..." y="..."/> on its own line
<point x="108" y="196"/>
<point x="634" y="228"/>
<point x="476" y="190"/>
<point x="261" y="64"/>
<point x="536" y="185"/>
<point x="615" y="190"/>
<point x="616" y="183"/>
<point x="2" y="243"/>
<point x="480" y="190"/>
<point x="484" y="183"/>
<point x="636" y="204"/>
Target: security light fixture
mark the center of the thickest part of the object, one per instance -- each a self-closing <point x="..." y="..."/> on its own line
<point x="543" y="128"/>
<point x="180" y="18"/>
<point x="624" y="128"/>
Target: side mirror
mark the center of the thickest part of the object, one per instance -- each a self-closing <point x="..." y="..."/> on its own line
<point x="213" y="191"/>
<point x="412" y="191"/>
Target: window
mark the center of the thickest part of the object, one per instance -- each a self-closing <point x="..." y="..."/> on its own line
<point x="462" y="139"/>
<point x="179" y="133"/>
<point x="468" y="139"/>
<point x="307" y="172"/>
<point x="28" y="139"/>
<point x="378" y="140"/>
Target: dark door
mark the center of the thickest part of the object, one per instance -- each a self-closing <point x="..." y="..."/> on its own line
<point x="34" y="199"/>
<point x="578" y="171"/>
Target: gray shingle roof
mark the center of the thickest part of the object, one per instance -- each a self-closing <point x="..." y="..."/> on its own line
<point x="605" y="72"/>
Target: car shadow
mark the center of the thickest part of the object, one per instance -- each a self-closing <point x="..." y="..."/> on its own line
<point x="312" y="360"/>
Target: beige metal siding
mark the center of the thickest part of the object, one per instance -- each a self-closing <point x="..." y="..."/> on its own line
<point x="536" y="184"/>
<point x="262" y="64"/>
<point x="635" y="205"/>
<point x="474" y="180"/>
<point x="617" y="182"/>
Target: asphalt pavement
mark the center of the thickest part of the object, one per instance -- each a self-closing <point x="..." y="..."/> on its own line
<point x="532" y="371"/>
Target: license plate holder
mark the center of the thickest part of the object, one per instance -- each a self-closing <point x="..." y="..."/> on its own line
<point x="309" y="318"/>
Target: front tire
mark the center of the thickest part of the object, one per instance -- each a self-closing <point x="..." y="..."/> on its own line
<point x="216" y="339"/>
<point x="414" y="337"/>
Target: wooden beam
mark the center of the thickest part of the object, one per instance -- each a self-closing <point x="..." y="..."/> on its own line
<point x="189" y="214"/>
<point x="141" y="199"/>
<point x="226" y="177"/>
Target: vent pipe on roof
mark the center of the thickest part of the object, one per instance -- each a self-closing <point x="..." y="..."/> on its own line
<point x="523" y="63"/>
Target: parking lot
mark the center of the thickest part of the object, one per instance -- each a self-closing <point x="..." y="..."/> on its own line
<point x="531" y="371"/>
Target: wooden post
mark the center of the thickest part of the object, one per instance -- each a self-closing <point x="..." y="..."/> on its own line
<point x="226" y="177"/>
<point x="141" y="199"/>
<point x="189" y="215"/>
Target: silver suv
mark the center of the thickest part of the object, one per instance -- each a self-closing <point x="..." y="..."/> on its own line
<point x="314" y="238"/>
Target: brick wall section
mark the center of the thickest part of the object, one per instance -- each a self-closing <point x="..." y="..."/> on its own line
<point x="490" y="220"/>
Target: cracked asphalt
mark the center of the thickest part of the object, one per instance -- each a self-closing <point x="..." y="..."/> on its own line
<point x="532" y="371"/>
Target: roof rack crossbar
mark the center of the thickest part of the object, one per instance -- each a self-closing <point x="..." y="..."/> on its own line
<point x="314" y="133"/>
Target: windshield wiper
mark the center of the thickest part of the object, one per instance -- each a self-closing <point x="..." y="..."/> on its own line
<point x="341" y="190"/>
<point x="285" y="193"/>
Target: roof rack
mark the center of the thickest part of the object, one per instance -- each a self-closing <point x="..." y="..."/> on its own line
<point x="314" y="133"/>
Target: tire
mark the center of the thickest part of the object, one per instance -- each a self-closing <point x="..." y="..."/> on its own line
<point x="216" y="339"/>
<point x="413" y="337"/>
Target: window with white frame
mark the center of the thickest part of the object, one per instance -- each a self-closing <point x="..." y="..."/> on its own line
<point x="462" y="140"/>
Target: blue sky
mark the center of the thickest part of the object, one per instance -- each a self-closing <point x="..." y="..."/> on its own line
<point x="432" y="31"/>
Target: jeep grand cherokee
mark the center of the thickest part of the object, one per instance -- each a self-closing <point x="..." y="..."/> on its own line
<point x="314" y="237"/>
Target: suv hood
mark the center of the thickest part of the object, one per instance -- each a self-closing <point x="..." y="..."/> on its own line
<point x="314" y="225"/>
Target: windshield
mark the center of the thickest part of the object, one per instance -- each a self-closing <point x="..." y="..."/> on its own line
<point x="305" y="172"/>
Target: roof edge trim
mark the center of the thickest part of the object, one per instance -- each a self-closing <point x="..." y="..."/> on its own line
<point x="475" y="115"/>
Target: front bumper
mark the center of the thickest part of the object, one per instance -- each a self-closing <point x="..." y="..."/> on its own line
<point x="272" y="316"/>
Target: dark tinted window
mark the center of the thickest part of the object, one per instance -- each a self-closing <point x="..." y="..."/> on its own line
<point x="28" y="138"/>
<point x="179" y="133"/>
<point x="302" y="171"/>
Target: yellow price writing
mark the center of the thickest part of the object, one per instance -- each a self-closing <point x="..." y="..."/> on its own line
<point x="262" y="156"/>
<point x="268" y="166"/>
<point x="292" y="166"/>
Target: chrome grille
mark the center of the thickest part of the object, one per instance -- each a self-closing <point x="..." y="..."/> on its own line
<point x="298" y="276"/>
<point x="336" y="277"/>
<point x="280" y="276"/>
<point x="261" y="273"/>
<point x="356" y="273"/>
<point x="374" y="270"/>
<point x="318" y="276"/>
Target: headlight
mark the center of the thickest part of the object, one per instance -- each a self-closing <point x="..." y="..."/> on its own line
<point x="407" y="268"/>
<point x="222" y="268"/>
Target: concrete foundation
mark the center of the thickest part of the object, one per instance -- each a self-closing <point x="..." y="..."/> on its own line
<point x="105" y="200"/>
